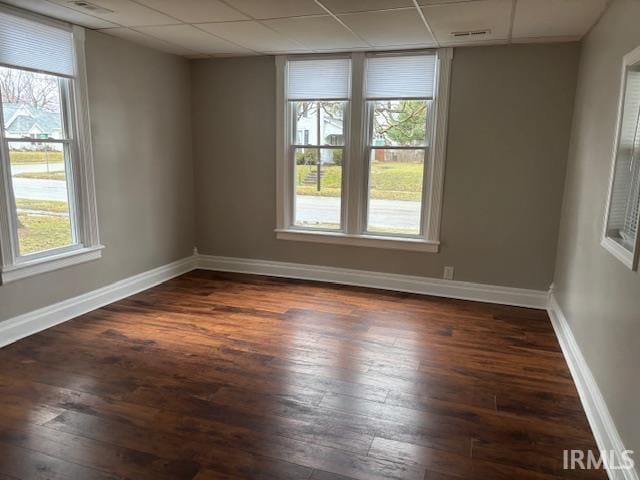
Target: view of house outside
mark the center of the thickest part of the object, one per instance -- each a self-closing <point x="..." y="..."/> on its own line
<point x="31" y="115"/>
<point x="395" y="176"/>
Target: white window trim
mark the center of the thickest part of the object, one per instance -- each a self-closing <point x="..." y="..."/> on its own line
<point x="353" y="215"/>
<point x="628" y="258"/>
<point x="13" y="266"/>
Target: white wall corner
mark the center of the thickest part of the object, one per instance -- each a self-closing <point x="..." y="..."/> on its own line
<point x="604" y="429"/>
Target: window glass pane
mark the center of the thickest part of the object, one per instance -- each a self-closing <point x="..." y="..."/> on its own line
<point x="40" y="189"/>
<point x="395" y="191"/>
<point x="30" y="104"/>
<point x="306" y="123"/>
<point x="318" y="177"/>
<point x="399" y="122"/>
<point x="332" y="123"/>
<point x="325" y="119"/>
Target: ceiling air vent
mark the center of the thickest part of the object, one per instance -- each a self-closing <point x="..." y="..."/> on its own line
<point x="90" y="7"/>
<point x="471" y="33"/>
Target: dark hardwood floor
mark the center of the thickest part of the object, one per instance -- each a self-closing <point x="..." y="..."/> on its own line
<point x="221" y="376"/>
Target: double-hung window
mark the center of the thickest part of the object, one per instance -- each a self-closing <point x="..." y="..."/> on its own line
<point x="361" y="146"/>
<point x="47" y="202"/>
<point x="399" y="96"/>
<point x="318" y="104"/>
<point x="623" y="210"/>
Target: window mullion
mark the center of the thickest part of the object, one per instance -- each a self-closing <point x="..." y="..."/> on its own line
<point x="72" y="164"/>
<point x="353" y="185"/>
<point x="8" y="217"/>
<point x="84" y="175"/>
<point x="285" y="164"/>
<point x="437" y="147"/>
<point x="8" y="211"/>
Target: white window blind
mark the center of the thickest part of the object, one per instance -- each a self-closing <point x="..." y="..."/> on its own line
<point x="319" y="79"/>
<point x="35" y="46"/>
<point x="625" y="196"/>
<point x="400" y="76"/>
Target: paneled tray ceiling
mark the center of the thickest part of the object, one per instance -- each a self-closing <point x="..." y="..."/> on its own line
<point x="212" y="28"/>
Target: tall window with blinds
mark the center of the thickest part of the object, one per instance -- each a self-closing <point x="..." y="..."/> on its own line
<point x="318" y="101"/>
<point x="360" y="144"/>
<point x="47" y="204"/>
<point x="399" y="95"/>
<point x="621" y="228"/>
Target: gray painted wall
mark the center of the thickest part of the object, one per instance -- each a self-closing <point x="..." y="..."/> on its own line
<point x="598" y="294"/>
<point x="141" y="121"/>
<point x="509" y="124"/>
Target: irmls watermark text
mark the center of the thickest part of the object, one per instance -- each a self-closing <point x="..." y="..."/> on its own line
<point x="594" y="460"/>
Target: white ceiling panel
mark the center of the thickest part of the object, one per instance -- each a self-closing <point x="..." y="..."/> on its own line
<point x="493" y="15"/>
<point x="61" y="13"/>
<point x="190" y="37"/>
<point x="195" y="28"/>
<point x="196" y="11"/>
<point x="317" y="33"/>
<point x="124" y="13"/>
<point x="254" y="36"/>
<point x="148" y="41"/>
<point x="555" y="18"/>
<point x="389" y="27"/>
<point x="261" y="9"/>
<point x="346" y="6"/>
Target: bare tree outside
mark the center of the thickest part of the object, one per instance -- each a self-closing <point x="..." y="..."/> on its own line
<point x="400" y="122"/>
<point x="35" y="90"/>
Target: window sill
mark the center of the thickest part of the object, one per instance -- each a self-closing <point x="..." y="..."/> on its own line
<point x="50" y="263"/>
<point x="394" y="243"/>
<point x="617" y="250"/>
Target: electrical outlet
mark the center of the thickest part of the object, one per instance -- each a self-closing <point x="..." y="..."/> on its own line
<point x="448" y="273"/>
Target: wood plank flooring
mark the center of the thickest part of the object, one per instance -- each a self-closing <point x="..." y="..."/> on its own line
<point x="222" y="376"/>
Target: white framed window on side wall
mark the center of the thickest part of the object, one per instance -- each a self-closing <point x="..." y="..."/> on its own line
<point x="620" y="234"/>
<point x="360" y="145"/>
<point x="48" y="217"/>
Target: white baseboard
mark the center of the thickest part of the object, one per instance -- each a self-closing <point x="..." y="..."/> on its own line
<point x="27" y="324"/>
<point x="604" y="429"/>
<point x="385" y="281"/>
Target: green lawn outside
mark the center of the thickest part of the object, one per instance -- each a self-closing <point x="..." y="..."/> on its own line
<point x="38" y="233"/>
<point x="20" y="158"/>
<point x="41" y="232"/>
<point x="42" y="205"/>
<point x="389" y="181"/>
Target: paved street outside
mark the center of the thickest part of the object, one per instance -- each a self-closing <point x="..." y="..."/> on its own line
<point x="36" y="167"/>
<point x="388" y="213"/>
<point x="37" y="189"/>
<point x="309" y="209"/>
